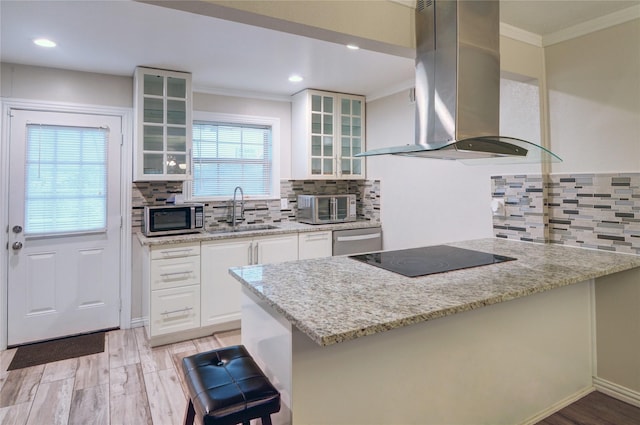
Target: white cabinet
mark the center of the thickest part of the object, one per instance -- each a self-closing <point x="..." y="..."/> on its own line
<point x="314" y="245"/>
<point x="162" y="130"/>
<point x="171" y="279"/>
<point x="221" y="292"/>
<point x="328" y="130"/>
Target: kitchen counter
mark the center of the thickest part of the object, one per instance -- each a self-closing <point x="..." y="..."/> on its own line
<point x="338" y="299"/>
<point x="349" y="343"/>
<point x="281" y="228"/>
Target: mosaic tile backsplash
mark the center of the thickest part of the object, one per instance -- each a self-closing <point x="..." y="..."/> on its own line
<point x="217" y="214"/>
<point x="599" y="211"/>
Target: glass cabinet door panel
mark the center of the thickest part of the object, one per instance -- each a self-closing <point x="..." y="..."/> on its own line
<point x="152" y="138"/>
<point x="356" y="145"/>
<point x="176" y="112"/>
<point x="153" y="110"/>
<point x="346" y="146"/>
<point x="316" y="103"/>
<point x="356" y="108"/>
<point x="153" y="163"/>
<point x="346" y="107"/>
<point x="176" y="87"/>
<point x="346" y="166"/>
<point x="176" y="164"/>
<point x="327" y="105"/>
<point x="316" y="123"/>
<point x="356" y="126"/>
<point x="327" y="146"/>
<point x="316" y="166"/>
<point x="327" y="124"/>
<point x="327" y="166"/>
<point x="316" y="146"/>
<point x="153" y="85"/>
<point x="357" y="166"/>
<point x="177" y="139"/>
<point x="346" y="125"/>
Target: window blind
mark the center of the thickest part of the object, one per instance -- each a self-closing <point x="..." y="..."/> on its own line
<point x="230" y="155"/>
<point x="65" y="179"/>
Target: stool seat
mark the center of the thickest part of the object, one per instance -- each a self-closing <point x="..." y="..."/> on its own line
<point x="226" y="387"/>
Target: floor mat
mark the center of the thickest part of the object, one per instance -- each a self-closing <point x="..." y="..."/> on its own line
<point x="58" y="349"/>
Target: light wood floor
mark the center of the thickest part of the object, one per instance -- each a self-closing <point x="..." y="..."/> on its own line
<point x="132" y="384"/>
<point x="128" y="384"/>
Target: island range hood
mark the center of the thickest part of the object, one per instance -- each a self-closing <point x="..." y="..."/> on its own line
<point x="457" y="87"/>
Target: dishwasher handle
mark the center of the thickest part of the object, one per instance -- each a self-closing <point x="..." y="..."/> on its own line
<point x="358" y="237"/>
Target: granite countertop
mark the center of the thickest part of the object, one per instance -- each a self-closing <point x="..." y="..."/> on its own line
<point x="337" y="299"/>
<point x="281" y="228"/>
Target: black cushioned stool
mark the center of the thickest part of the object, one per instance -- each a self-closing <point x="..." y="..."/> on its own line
<point x="226" y="387"/>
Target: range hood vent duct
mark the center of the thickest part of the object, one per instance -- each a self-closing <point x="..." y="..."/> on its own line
<point x="457" y="87"/>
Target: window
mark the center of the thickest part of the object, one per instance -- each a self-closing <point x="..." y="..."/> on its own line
<point x="66" y="179"/>
<point x="230" y="151"/>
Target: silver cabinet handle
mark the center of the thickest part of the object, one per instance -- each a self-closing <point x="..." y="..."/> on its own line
<point x="174" y="274"/>
<point x="176" y="252"/>
<point x="180" y="310"/>
<point x="257" y="260"/>
<point x="251" y="253"/>
<point x="321" y="237"/>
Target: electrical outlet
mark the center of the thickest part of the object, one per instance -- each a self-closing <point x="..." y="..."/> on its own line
<point x="284" y="204"/>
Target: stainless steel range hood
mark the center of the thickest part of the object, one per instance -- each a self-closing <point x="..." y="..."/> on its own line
<point x="457" y="88"/>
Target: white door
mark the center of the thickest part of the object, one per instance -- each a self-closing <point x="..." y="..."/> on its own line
<point x="64" y="224"/>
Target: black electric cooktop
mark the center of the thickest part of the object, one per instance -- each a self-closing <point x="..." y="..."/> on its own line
<point x="429" y="260"/>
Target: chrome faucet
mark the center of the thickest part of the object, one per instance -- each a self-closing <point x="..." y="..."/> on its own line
<point x="233" y="208"/>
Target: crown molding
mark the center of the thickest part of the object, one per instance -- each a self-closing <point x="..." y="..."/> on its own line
<point x="519" y="34"/>
<point x="241" y="93"/>
<point x="600" y="23"/>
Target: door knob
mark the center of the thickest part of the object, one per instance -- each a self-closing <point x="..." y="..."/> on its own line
<point x="17" y="229"/>
<point x="17" y="245"/>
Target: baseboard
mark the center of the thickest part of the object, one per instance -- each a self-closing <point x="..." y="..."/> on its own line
<point x="558" y="406"/>
<point x="136" y="323"/>
<point x="617" y="391"/>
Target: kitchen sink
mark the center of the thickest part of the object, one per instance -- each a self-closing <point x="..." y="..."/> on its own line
<point x="245" y="228"/>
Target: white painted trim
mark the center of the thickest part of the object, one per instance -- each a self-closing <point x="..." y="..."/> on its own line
<point x="617" y="391"/>
<point x="126" y="115"/>
<point x="137" y="322"/>
<point x="558" y="406"/>
<point x="600" y="23"/>
<point x="519" y="34"/>
<point x="241" y="93"/>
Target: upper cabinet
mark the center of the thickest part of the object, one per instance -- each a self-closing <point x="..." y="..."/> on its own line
<point x="162" y="132"/>
<point x="328" y="130"/>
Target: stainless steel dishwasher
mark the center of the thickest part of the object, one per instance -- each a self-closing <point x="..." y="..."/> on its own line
<point x="357" y="241"/>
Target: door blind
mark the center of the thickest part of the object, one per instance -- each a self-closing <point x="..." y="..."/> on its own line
<point x="65" y="179"/>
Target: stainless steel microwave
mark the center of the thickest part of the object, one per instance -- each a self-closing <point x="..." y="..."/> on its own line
<point x="322" y="209"/>
<point x="163" y="220"/>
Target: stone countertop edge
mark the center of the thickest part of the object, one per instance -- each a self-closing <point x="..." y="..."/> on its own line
<point x="282" y="228"/>
<point x="337" y="299"/>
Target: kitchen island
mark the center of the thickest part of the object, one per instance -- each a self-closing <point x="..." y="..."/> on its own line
<point x="349" y="343"/>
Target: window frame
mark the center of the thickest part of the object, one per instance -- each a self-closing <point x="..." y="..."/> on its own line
<point x="216" y="117"/>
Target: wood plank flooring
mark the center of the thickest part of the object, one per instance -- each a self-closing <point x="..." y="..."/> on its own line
<point x="595" y="409"/>
<point x="128" y="384"/>
<point x="133" y="384"/>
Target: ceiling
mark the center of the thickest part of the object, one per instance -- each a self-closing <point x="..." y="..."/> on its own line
<point x="113" y="37"/>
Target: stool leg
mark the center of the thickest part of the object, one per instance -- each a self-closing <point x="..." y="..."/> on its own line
<point x="266" y="420"/>
<point x="190" y="414"/>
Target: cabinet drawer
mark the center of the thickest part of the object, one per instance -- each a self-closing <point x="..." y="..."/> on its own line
<point x="314" y="245"/>
<point x="173" y="251"/>
<point x="175" y="309"/>
<point x="173" y="272"/>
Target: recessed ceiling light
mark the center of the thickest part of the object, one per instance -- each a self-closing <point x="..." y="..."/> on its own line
<point x="295" y="78"/>
<point x="352" y="47"/>
<point x="43" y="42"/>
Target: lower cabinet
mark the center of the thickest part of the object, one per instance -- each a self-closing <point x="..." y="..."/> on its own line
<point x="171" y="290"/>
<point x="220" y="293"/>
<point x="315" y="245"/>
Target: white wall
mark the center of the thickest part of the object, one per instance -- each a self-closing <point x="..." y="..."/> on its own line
<point x="594" y="100"/>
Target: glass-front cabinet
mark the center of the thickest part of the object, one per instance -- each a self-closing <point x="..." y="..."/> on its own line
<point x="162" y="132"/>
<point x="327" y="133"/>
